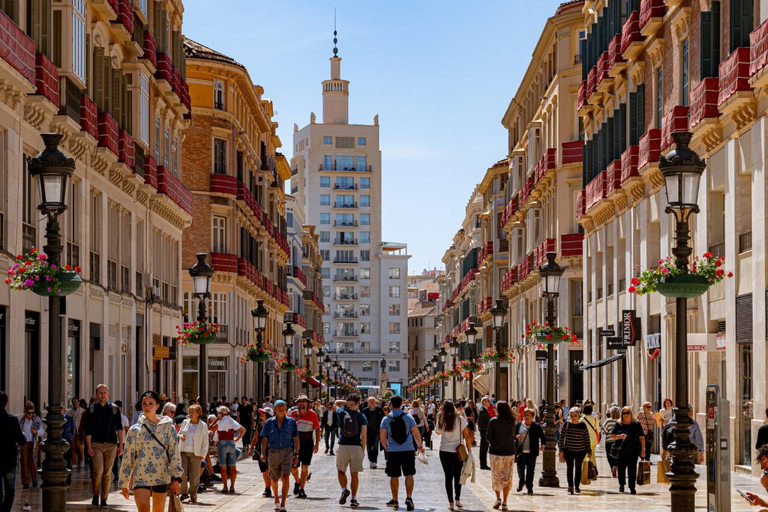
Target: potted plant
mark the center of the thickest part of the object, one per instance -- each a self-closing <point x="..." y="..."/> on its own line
<point x="671" y="281"/>
<point x="490" y="355"/>
<point x="303" y="373"/>
<point x="34" y="272"/>
<point x="549" y="334"/>
<point x="469" y="365"/>
<point x="284" y="364"/>
<point x="256" y="354"/>
<point x="198" y="333"/>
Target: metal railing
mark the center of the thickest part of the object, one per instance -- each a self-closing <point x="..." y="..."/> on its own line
<point x="342" y="186"/>
<point x="717" y="249"/>
<point x="344" y="205"/>
<point x="577" y="326"/>
<point x="345" y="260"/>
<point x="334" y="167"/>
<point x="345" y="224"/>
<point x="338" y="241"/>
<point x="345" y="296"/>
<point x="348" y="314"/>
<point x="338" y="278"/>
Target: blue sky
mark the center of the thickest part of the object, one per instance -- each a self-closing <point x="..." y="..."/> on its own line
<point x="440" y="74"/>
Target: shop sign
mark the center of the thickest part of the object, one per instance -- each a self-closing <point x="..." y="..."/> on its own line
<point x="652" y="341"/>
<point x="541" y="355"/>
<point x="630" y="327"/>
<point x="607" y="333"/>
<point x="614" y="343"/>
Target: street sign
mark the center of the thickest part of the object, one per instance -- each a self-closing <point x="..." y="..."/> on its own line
<point x="606" y="333"/>
<point x="541" y="355"/>
<point x="615" y="343"/>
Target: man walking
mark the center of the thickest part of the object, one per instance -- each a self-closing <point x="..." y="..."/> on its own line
<point x="398" y="432"/>
<point x="529" y="440"/>
<point x="11" y="438"/>
<point x="104" y="436"/>
<point x="77" y="441"/>
<point x="351" y="451"/>
<point x="280" y="434"/>
<point x="308" y="425"/>
<point x="374" y="414"/>
<point x="483" y="418"/>
<point x="330" y="424"/>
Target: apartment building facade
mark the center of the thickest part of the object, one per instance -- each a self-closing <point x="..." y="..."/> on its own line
<point x="110" y="77"/>
<point x="545" y="156"/>
<point x="651" y="68"/>
<point x="337" y="182"/>
<point x="237" y="178"/>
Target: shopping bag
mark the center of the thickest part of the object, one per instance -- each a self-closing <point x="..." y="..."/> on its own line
<point x="174" y="503"/>
<point x="585" y="473"/>
<point x="643" y="472"/>
<point x="662" y="468"/>
<point x="592" y="470"/>
<point x="422" y="458"/>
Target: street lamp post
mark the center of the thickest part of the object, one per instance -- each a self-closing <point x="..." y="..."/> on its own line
<point x="433" y="362"/>
<point x="336" y="380"/>
<point x="454" y="347"/>
<point x="550" y="277"/>
<point x="288" y="335"/>
<point x="260" y="317"/>
<point x="320" y="362"/>
<point x="202" y="275"/>
<point x="443" y="360"/>
<point x="328" y="365"/>
<point x="471" y="334"/>
<point x="682" y="169"/>
<point x="54" y="170"/>
<point x="307" y="355"/>
<point x="499" y="315"/>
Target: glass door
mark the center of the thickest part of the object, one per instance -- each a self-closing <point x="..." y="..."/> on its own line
<point x="747" y="409"/>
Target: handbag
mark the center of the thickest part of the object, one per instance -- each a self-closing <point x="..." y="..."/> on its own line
<point x="520" y="445"/>
<point x="174" y="504"/>
<point x="616" y="448"/>
<point x="461" y="450"/>
<point x="662" y="468"/>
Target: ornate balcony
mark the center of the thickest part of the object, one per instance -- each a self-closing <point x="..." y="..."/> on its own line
<point x="546" y="163"/>
<point x="651" y="16"/>
<point x="735" y="90"/>
<point x="125" y="149"/>
<point x="89" y="116"/>
<point x="676" y="120"/>
<point x="604" y="81"/>
<point x="595" y="190"/>
<point x="613" y="177"/>
<point x="571" y="244"/>
<point x="758" y="51"/>
<point x="244" y="195"/>
<point x="631" y="38"/>
<point x="150" y="172"/>
<point x="107" y="133"/>
<point x="17" y="48"/>
<point x="224" y="262"/>
<point x="47" y="79"/>
<point x="629" y="161"/>
<point x="246" y="269"/>
<point x="150" y="48"/>
<point x="581" y="204"/>
<point x="223" y="184"/>
<point x="540" y="253"/>
<point x="172" y="186"/>
<point x="650" y="148"/>
<point x="704" y="101"/>
<point x="572" y="152"/>
<point x="616" y="62"/>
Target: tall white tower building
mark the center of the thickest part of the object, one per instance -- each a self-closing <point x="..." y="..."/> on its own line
<point x="337" y="179"/>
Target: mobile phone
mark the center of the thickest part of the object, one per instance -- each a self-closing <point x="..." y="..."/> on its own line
<point x="744" y="495"/>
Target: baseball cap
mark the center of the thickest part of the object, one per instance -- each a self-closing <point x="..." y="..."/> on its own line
<point x="280" y="402"/>
<point x="268" y="410"/>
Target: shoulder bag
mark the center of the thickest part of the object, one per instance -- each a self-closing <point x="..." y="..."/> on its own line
<point x="158" y="442"/>
<point x="520" y="445"/>
<point x="461" y="450"/>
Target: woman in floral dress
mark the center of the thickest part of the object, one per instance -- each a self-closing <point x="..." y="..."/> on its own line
<point x="502" y="450"/>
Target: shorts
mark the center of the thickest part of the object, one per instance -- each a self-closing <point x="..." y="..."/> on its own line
<point x="280" y="462"/>
<point x="306" y="450"/>
<point x="160" y="489"/>
<point x="349" y="456"/>
<point x="227" y="454"/>
<point x="398" y="462"/>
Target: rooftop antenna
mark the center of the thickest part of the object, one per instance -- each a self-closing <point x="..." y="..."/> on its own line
<point x="335" y="49"/>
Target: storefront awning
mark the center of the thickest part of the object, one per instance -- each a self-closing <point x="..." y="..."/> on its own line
<point x="314" y="382"/>
<point x="482" y="383"/>
<point x="603" y="362"/>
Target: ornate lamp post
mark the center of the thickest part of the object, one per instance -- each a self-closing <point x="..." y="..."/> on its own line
<point x="202" y="275"/>
<point x="454" y="348"/>
<point x="307" y="355"/>
<point x="433" y="362"/>
<point x="328" y="365"/>
<point x="499" y="315"/>
<point x="336" y="378"/>
<point x="260" y="317"/>
<point x="54" y="169"/>
<point x="320" y="363"/>
<point x="288" y="338"/>
<point x="471" y="334"/>
<point x="443" y="360"/>
<point x="682" y="169"/>
<point x="550" y="277"/>
<point x="382" y="374"/>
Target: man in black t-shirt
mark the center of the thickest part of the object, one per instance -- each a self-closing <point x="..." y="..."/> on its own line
<point x="11" y="438"/>
<point x="104" y="441"/>
<point x="246" y="420"/>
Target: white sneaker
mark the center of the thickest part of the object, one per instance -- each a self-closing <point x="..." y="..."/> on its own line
<point x="370" y="465"/>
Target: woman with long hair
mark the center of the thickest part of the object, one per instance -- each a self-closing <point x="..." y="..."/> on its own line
<point x="502" y="450"/>
<point x="451" y="428"/>
<point x="194" y="447"/>
<point x="574" y="446"/>
<point x="151" y="457"/>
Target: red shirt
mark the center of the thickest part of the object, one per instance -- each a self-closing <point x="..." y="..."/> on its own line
<point x="306" y="424"/>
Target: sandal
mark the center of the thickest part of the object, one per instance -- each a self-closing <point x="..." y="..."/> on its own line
<point x="497" y="505"/>
<point x="504" y="507"/>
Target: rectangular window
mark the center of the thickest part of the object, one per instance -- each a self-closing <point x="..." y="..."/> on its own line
<point x="327" y="289"/>
<point x="344" y="201"/>
<point x="394" y="273"/>
<point x="219" y="234"/>
<point x="684" y="69"/>
<point x="741" y="23"/>
<point x="659" y="96"/>
<point x="96" y="225"/>
<point x="325" y="199"/>
<point x="325" y="181"/>
<point x="344" y="183"/>
<point x="325" y="218"/>
<point x="328" y="162"/>
<point x="144" y="108"/>
<point x="361" y="141"/>
<point x="365" y="273"/>
<point x="365" y="237"/>
<point x="167" y="147"/>
<point x="710" y="41"/>
<point x="345" y="162"/>
<point x="327" y="140"/>
<point x="365" y="255"/>
<point x="73" y="216"/>
<point x="394" y="327"/>
<point x="326" y="328"/>
<point x="394" y="310"/>
<point x="394" y="292"/>
<point x="158" y="131"/>
<point x="218" y="94"/>
<point x="176" y="149"/>
<point x="365" y="200"/>
<point x="365" y="219"/>
<point x="365" y="182"/>
<point x="325" y="254"/>
<point x="29" y="211"/>
<point x="78" y="40"/>
<point x="219" y="156"/>
<point x="361" y="163"/>
<point x="325" y="236"/>
<point x="365" y="292"/>
<point x="394" y="347"/>
<point x="325" y="272"/>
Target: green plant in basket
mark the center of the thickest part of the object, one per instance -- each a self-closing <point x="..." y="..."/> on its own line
<point x="705" y="271"/>
<point x="199" y="333"/>
<point x="256" y="354"/>
<point x="545" y="333"/>
<point x="34" y="272"/>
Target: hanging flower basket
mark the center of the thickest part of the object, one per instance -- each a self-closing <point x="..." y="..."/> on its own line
<point x="255" y="354"/>
<point x="197" y="333"/>
<point x="34" y="272"/>
<point x="490" y="355"/>
<point x="285" y="365"/>
<point x="303" y="373"/>
<point x="469" y="366"/>
<point x="549" y="334"/>
<point x="674" y="282"/>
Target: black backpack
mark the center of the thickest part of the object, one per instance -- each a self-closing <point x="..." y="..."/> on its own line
<point x="398" y="428"/>
<point x="350" y="423"/>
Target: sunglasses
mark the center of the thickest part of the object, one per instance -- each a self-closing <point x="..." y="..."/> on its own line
<point x="625" y="414"/>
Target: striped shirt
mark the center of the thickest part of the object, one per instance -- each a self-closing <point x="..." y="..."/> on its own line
<point x="575" y="437"/>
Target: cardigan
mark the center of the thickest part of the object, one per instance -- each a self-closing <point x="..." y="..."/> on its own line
<point x="201" y="436"/>
<point x="501" y="438"/>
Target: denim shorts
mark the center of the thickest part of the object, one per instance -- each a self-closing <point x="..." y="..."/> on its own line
<point x="227" y="453"/>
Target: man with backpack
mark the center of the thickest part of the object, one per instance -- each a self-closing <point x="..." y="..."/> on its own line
<point x="398" y="432"/>
<point x="351" y="450"/>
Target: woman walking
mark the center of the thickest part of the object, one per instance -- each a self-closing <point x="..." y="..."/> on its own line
<point x="421" y="419"/>
<point x="630" y="434"/>
<point x="151" y="458"/>
<point x="592" y="427"/>
<point x="614" y="414"/>
<point x="194" y="447"/>
<point x="574" y="446"/>
<point x="666" y="412"/>
<point x="648" y="422"/>
<point x="451" y="428"/>
<point x="502" y="449"/>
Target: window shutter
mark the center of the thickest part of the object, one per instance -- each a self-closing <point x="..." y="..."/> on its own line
<point x="715" y="40"/>
<point x="157" y="24"/>
<point x="98" y="77"/>
<point x="744" y="318"/>
<point x="622" y="130"/>
<point x="117" y="97"/>
<point x="633" y="135"/>
<point x="9" y="8"/>
<point x="706" y="44"/>
<point x="741" y="23"/>
<point x="640" y="111"/>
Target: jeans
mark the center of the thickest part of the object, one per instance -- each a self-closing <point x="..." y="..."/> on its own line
<point x="330" y="437"/>
<point x="573" y="462"/>
<point x="628" y="468"/>
<point x="452" y="470"/>
<point x="7" y="488"/>
<point x="373" y="447"/>
<point x="483" y="452"/>
<point x="526" y="464"/>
